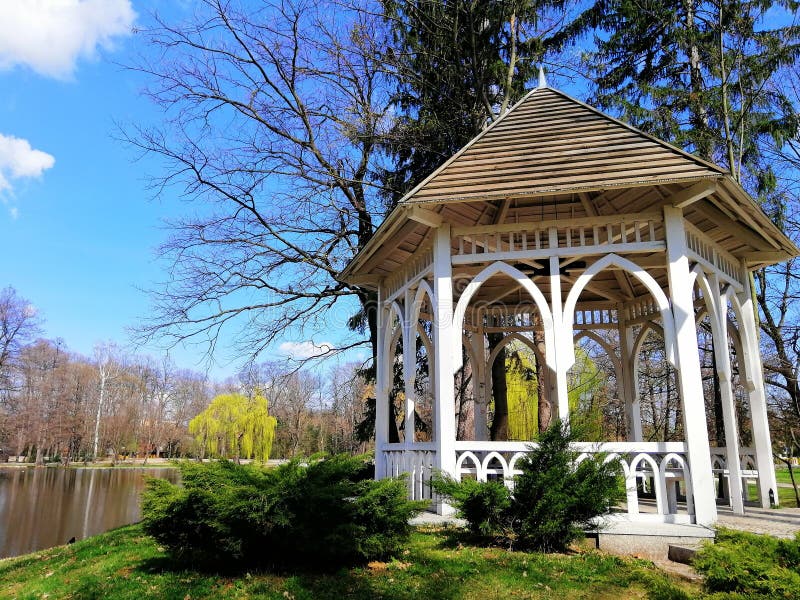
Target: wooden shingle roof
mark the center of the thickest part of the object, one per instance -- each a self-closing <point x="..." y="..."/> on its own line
<point x="550" y="143"/>
<point x="552" y="157"/>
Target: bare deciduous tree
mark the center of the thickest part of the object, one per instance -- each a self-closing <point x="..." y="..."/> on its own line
<point x="19" y="324"/>
<point x="273" y="119"/>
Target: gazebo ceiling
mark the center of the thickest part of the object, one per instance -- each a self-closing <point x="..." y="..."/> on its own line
<point x="553" y="158"/>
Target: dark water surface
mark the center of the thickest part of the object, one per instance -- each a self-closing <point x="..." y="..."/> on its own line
<point x="45" y="507"/>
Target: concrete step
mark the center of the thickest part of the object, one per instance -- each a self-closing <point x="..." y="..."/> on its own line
<point x="649" y="540"/>
<point x="682" y="554"/>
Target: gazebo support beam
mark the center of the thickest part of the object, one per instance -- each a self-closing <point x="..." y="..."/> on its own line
<point x="447" y="345"/>
<point x="719" y="331"/>
<point x="758" y="400"/>
<point x="687" y="359"/>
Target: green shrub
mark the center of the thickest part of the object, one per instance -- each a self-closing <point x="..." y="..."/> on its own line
<point x="555" y="497"/>
<point x="485" y="506"/>
<point x="747" y="565"/>
<point x="323" y="514"/>
<point x="553" y="501"/>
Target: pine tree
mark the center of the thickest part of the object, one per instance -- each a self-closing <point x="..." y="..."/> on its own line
<point x="698" y="74"/>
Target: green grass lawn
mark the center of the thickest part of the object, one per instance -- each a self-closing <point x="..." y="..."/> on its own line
<point x="782" y="475"/>
<point x="125" y="563"/>
<point x="785" y="495"/>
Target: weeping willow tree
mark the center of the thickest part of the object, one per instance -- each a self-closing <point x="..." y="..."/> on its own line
<point x="522" y="393"/>
<point x="587" y="388"/>
<point x="235" y="426"/>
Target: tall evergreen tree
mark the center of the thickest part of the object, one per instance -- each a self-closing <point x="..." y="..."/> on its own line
<point x="698" y="74"/>
<point x="459" y="65"/>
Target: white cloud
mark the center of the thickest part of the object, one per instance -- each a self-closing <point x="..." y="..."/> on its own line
<point x="18" y="160"/>
<point x="49" y="36"/>
<point x="301" y="350"/>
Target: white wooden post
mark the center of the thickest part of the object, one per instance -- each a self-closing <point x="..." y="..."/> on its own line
<point x="446" y="347"/>
<point x="381" y="391"/>
<point x="628" y="384"/>
<point x="719" y="331"/>
<point x="409" y="367"/>
<point x="687" y="362"/>
<point x="563" y="339"/>
<point x="758" y="399"/>
<point x="479" y="385"/>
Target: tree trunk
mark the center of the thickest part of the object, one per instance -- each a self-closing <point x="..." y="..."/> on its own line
<point x="719" y="419"/>
<point x="545" y="409"/>
<point x="499" y="429"/>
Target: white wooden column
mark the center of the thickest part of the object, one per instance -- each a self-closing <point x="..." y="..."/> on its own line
<point x="381" y="391"/>
<point x="687" y="362"/>
<point x="757" y="396"/>
<point x="719" y="332"/>
<point x="629" y="386"/>
<point x="409" y="366"/>
<point x="481" y="420"/>
<point x="447" y="346"/>
<point x="563" y="339"/>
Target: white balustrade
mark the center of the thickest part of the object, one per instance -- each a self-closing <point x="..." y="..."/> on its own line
<point x="658" y="471"/>
<point x="573" y="237"/>
<point x="416" y="464"/>
<point x="713" y="257"/>
<point x="748" y="467"/>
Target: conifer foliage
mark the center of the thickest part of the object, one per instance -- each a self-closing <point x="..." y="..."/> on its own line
<point x="322" y="513"/>
<point x="554" y="500"/>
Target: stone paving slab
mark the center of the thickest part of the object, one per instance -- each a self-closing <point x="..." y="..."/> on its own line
<point x="779" y="522"/>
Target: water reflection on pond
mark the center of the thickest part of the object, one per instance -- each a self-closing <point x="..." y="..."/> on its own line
<point x="40" y="508"/>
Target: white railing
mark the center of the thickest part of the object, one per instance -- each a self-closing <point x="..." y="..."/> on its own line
<point x="652" y="469"/>
<point x="414" y="269"/>
<point x="748" y="470"/>
<point x="416" y="463"/>
<point x="708" y="253"/>
<point x="566" y="237"/>
<point x="656" y="474"/>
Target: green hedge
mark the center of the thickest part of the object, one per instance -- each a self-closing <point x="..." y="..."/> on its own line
<point x="749" y="566"/>
<point x="320" y="514"/>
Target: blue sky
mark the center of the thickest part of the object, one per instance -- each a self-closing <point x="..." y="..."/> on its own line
<point x="78" y="226"/>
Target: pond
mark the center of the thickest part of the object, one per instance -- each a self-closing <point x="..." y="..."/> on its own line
<point x="45" y="507"/>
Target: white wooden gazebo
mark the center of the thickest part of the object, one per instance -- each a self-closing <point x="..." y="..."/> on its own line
<point x="561" y="220"/>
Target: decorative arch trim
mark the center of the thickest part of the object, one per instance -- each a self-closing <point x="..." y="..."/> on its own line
<point x="506" y="341"/>
<point x="646" y="280"/>
<point x="604" y="345"/>
<point x="525" y="282"/>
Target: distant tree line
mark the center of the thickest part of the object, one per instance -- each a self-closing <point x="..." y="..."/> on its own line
<point x="57" y="405"/>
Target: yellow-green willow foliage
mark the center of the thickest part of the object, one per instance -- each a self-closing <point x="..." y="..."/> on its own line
<point x="522" y="394"/>
<point x="235" y="426"/>
<point x="587" y="390"/>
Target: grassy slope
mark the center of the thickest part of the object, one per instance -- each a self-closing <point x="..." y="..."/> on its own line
<point x="125" y="563"/>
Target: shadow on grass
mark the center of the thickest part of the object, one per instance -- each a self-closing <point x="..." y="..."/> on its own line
<point x="427" y="576"/>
